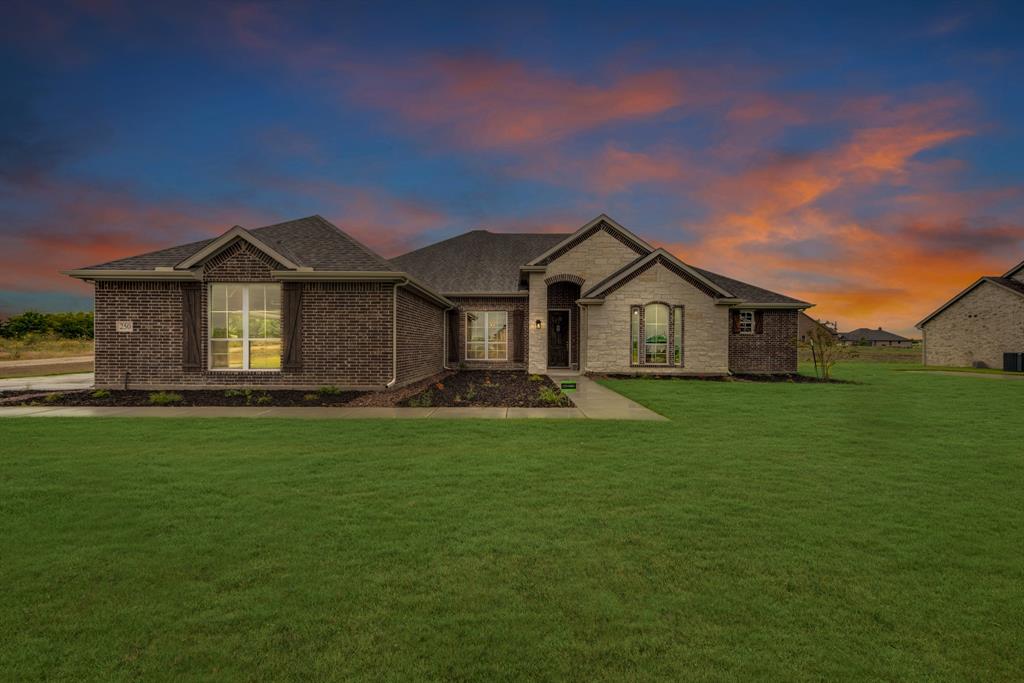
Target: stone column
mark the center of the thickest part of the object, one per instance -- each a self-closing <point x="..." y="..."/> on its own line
<point x="538" y="311"/>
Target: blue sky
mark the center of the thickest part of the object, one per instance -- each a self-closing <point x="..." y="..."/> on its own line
<point x="868" y="158"/>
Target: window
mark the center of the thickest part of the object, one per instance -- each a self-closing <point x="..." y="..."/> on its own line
<point x="746" y="322"/>
<point x="677" y="335"/>
<point x="656" y="334"/>
<point x="634" y="336"/>
<point x="245" y="327"/>
<point x="487" y="335"/>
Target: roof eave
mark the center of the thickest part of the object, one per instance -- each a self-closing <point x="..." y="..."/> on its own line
<point x="587" y="226"/>
<point x="92" y="274"/>
<point x="237" y="232"/>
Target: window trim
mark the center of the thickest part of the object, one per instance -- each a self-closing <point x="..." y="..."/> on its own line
<point x="668" y="332"/>
<point x="753" y="321"/>
<point x="245" y="328"/>
<point x="486" y="342"/>
<point x="677" y="318"/>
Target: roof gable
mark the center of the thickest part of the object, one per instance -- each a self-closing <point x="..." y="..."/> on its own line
<point x="226" y="240"/>
<point x="1007" y="283"/>
<point x="1016" y="273"/>
<point x="657" y="257"/>
<point x="601" y="223"/>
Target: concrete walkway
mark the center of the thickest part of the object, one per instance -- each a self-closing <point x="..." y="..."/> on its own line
<point x="599" y="403"/>
<point x="77" y="380"/>
<point x="30" y="362"/>
<point x="301" y="413"/>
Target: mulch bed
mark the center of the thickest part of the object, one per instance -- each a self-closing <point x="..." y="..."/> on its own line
<point x="490" y="389"/>
<point x="189" y="398"/>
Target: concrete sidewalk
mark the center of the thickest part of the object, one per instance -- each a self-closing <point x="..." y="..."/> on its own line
<point x="599" y="403"/>
<point x="30" y="362"/>
<point x="77" y="380"/>
<point x="318" y="413"/>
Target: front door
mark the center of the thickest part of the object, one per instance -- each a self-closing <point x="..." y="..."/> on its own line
<point x="558" y="339"/>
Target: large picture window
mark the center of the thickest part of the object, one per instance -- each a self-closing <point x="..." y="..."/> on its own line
<point x="656" y="334"/>
<point x="245" y="326"/>
<point x="487" y="335"/>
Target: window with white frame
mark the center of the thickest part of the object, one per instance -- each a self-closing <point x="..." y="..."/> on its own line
<point x="656" y="334"/>
<point x="487" y="335"/>
<point x="245" y="326"/>
<point x="746" y="322"/>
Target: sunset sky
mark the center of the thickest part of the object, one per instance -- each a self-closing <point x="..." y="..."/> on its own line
<point x="870" y="160"/>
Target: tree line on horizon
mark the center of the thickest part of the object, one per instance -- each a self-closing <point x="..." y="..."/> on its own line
<point x="69" y="325"/>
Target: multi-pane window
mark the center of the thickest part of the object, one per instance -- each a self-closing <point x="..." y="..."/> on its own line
<point x="634" y="336"/>
<point x="746" y="322"/>
<point x="487" y="335"/>
<point x="656" y="334"/>
<point x="677" y="335"/>
<point x="245" y="326"/>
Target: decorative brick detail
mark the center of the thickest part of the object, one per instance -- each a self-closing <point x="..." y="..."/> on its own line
<point x="661" y="260"/>
<point x="492" y="303"/>
<point x="239" y="262"/>
<point x="772" y="351"/>
<point x="985" y="323"/>
<point x="592" y="259"/>
<point x="564" y="277"/>
<point x="420" y="337"/>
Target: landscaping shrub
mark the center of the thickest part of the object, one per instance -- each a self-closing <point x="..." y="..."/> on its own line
<point x="100" y="393"/>
<point x="329" y="391"/>
<point x="549" y="395"/>
<point x="53" y="398"/>
<point x="164" y="398"/>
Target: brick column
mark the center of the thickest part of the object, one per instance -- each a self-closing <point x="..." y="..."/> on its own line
<point x="538" y="311"/>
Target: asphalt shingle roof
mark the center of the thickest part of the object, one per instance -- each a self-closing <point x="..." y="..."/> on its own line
<point x="476" y="261"/>
<point x="310" y="242"/>
<point x="868" y="334"/>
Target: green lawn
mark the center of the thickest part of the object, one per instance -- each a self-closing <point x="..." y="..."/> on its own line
<point x="770" y="531"/>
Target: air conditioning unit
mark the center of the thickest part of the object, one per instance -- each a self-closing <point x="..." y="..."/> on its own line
<point x="1013" y="362"/>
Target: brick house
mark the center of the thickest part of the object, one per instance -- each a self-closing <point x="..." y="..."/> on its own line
<point x="978" y="325"/>
<point x="865" y="336"/>
<point x="301" y="304"/>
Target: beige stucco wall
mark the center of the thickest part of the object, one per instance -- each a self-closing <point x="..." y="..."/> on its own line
<point x="706" y="326"/>
<point x="979" y="327"/>
<point x="595" y="258"/>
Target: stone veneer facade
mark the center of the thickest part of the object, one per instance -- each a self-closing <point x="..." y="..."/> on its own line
<point x="705" y="333"/>
<point x="979" y="327"/>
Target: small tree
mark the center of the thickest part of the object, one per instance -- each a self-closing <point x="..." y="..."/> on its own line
<point x="826" y="352"/>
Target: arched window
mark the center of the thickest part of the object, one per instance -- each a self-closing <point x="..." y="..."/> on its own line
<point x="656" y="334"/>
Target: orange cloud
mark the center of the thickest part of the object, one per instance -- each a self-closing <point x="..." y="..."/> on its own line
<point x="612" y="169"/>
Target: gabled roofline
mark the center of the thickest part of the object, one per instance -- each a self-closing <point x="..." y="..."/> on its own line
<point x="601" y="287"/>
<point x="1012" y="271"/>
<point x="237" y="232"/>
<point x="605" y="218"/>
<point x="965" y="292"/>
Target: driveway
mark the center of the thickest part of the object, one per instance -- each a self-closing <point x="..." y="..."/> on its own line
<point x="78" y="380"/>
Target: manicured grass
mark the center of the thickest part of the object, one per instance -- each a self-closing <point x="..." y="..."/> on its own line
<point x="770" y="531"/>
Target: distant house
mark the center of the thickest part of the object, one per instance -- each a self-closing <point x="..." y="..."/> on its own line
<point x="805" y="325"/>
<point x="979" y="325"/>
<point x="878" y="337"/>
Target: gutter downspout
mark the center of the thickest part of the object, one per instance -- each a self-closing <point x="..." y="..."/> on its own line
<point x="394" y="332"/>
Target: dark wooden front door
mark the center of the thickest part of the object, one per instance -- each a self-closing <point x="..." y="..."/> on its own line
<point x="558" y="339"/>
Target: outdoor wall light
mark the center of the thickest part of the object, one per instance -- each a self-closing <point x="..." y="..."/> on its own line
<point x="538" y="323"/>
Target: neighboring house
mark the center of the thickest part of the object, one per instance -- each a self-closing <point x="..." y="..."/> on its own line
<point x="805" y="325"/>
<point x="302" y="304"/>
<point x="867" y="337"/>
<point x="978" y="325"/>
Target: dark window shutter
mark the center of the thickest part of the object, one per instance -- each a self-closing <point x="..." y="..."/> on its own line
<point x="453" y="336"/>
<point x="518" y="336"/>
<point x="292" y="300"/>
<point x="735" y="322"/>
<point x="758" y="322"/>
<point x="191" y="327"/>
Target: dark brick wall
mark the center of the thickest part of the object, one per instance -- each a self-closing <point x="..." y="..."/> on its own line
<point x="509" y="304"/>
<point x="774" y="350"/>
<point x="563" y="295"/>
<point x="346" y="331"/>
<point x="420" y="337"/>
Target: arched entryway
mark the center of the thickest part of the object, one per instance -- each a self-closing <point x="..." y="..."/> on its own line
<point x="563" y="322"/>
